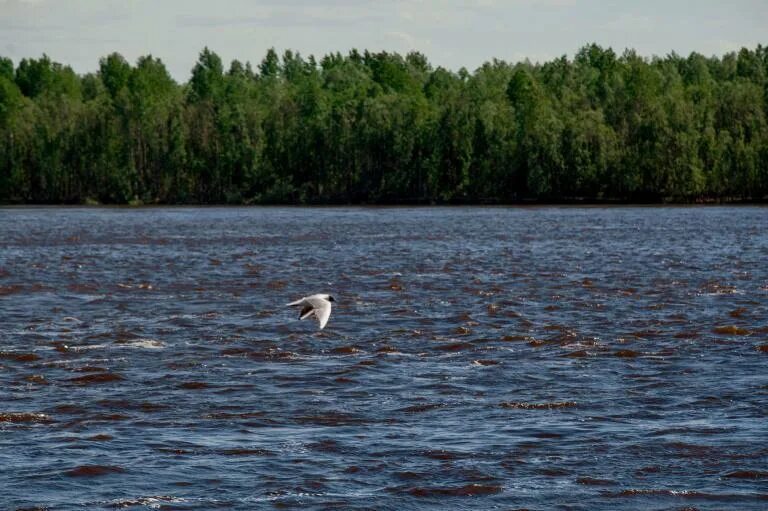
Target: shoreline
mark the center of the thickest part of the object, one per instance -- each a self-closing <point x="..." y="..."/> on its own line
<point x="396" y="204"/>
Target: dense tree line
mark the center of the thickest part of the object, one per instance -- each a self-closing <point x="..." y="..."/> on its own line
<point x="380" y="127"/>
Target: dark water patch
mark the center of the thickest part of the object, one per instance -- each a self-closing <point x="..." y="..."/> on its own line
<point x="89" y="369"/>
<point x="688" y="494"/>
<point x="454" y="346"/>
<point x="244" y="451"/>
<point x="422" y="408"/>
<point x="442" y="455"/>
<point x="738" y="313"/>
<point x="96" y="378"/>
<point x="94" y="470"/>
<point x="61" y="347"/>
<point x="544" y="435"/>
<point x="19" y="357"/>
<point x="747" y="474"/>
<point x="346" y="350"/>
<point x="25" y="418"/>
<point x="730" y="330"/>
<point x="11" y="289"/>
<point x="37" y="379"/>
<point x="688" y="450"/>
<point x="70" y="409"/>
<point x="105" y="417"/>
<point x="174" y="450"/>
<point x="644" y="471"/>
<point x="626" y="353"/>
<point x="102" y="437"/>
<point x="687" y="335"/>
<point x="553" y="472"/>
<point x="647" y="333"/>
<point x="194" y="385"/>
<point x="326" y="445"/>
<point x="408" y="475"/>
<point x="276" y="285"/>
<point x="467" y="490"/>
<point x="515" y="338"/>
<point x="592" y="481"/>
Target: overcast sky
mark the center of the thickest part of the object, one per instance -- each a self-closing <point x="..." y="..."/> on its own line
<point x="451" y="33"/>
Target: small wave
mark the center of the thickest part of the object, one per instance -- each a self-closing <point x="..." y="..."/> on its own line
<point x="346" y="350"/>
<point x="151" y="344"/>
<point x="468" y="490"/>
<point x="153" y="502"/>
<point x="102" y="437"/>
<point x="242" y="451"/>
<point x="485" y="362"/>
<point x="331" y="419"/>
<point x="538" y="406"/>
<point x="422" y="408"/>
<point x="592" y="481"/>
<point x="441" y="454"/>
<point x="455" y="346"/>
<point x="683" y="494"/>
<point x="230" y="416"/>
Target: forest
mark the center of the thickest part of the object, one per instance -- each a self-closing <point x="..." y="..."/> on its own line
<point x="379" y="128"/>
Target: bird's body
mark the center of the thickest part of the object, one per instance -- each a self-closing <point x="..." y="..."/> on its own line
<point x="318" y="305"/>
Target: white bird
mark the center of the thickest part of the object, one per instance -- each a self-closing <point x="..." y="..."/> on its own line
<point x="318" y="305"/>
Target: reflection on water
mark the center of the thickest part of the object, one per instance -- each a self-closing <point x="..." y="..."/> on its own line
<point x="600" y="358"/>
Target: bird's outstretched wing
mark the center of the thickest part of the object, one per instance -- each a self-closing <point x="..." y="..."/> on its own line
<point x="322" y="309"/>
<point x="306" y="311"/>
<point x="317" y="305"/>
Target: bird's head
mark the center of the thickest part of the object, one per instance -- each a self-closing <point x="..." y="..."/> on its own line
<point x="330" y="298"/>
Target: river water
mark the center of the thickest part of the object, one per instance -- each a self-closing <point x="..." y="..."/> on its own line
<point x="476" y="358"/>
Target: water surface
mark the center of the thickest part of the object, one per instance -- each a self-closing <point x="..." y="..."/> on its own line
<point x="478" y="358"/>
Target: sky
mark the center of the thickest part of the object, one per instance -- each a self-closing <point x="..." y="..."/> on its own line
<point x="451" y="33"/>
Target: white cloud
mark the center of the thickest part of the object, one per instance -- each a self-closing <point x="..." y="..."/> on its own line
<point x="452" y="33"/>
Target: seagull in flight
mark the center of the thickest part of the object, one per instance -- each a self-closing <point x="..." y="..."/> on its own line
<point x="318" y="305"/>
